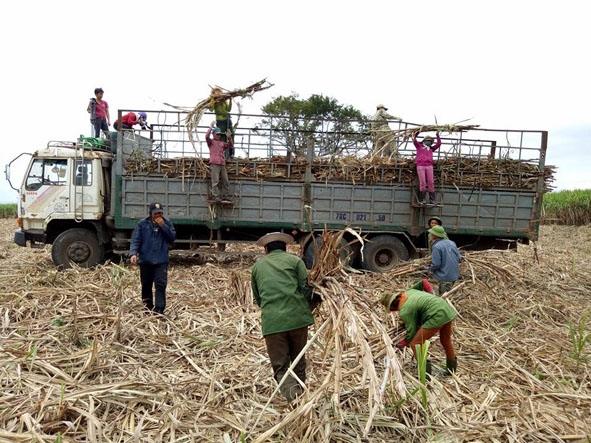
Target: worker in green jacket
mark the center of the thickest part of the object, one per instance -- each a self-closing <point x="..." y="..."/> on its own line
<point x="279" y="286"/>
<point x="424" y="315"/>
<point x="222" y="107"/>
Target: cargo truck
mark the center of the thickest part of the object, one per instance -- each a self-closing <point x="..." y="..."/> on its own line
<point x="84" y="197"/>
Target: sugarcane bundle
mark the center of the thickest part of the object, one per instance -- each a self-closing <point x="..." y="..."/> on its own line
<point x="194" y="116"/>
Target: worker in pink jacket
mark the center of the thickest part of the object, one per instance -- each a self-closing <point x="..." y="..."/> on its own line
<point x="217" y="164"/>
<point x="424" y="162"/>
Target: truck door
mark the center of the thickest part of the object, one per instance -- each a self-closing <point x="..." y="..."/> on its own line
<point x="45" y="191"/>
<point x="86" y="188"/>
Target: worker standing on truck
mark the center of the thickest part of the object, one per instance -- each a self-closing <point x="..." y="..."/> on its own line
<point x="128" y="121"/>
<point x="222" y="108"/>
<point x="99" y="114"/>
<point x="445" y="259"/>
<point x="217" y="164"/>
<point x="385" y="140"/>
<point x="424" y="315"/>
<point x="424" y="162"/>
<point x="279" y="287"/>
<point x="149" y="247"/>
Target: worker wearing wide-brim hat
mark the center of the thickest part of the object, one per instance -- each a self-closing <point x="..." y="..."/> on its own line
<point x="385" y="141"/>
<point x="445" y="259"/>
<point x="434" y="221"/>
<point x="431" y="222"/>
<point x="279" y="286"/>
<point x="424" y="315"/>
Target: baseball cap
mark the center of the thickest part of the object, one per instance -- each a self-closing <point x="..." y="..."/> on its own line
<point x="156" y="207"/>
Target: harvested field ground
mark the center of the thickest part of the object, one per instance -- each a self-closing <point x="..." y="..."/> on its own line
<point x="81" y="362"/>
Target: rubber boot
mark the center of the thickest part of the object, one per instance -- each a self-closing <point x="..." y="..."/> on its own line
<point x="290" y="389"/>
<point x="423" y="197"/>
<point x="432" y="198"/>
<point x="451" y="367"/>
<point x="428" y="370"/>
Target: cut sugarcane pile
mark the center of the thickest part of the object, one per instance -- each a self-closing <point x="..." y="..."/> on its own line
<point x="81" y="362"/>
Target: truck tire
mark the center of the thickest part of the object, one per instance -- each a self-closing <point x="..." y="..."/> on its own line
<point x="79" y="246"/>
<point x="383" y="253"/>
<point x="346" y="252"/>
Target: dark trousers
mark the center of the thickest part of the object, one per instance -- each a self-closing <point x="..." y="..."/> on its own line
<point x="157" y="276"/>
<point x="283" y="348"/>
<point x="445" y="286"/>
<point x="100" y="124"/>
<point x="120" y="126"/>
<point x="224" y="125"/>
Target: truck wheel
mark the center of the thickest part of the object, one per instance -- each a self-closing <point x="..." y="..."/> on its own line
<point x="79" y="246"/>
<point x="383" y="253"/>
<point x="345" y="252"/>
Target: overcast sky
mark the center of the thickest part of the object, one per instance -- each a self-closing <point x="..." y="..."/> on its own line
<point x="502" y="64"/>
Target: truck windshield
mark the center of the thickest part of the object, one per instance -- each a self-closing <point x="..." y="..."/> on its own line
<point x="46" y="172"/>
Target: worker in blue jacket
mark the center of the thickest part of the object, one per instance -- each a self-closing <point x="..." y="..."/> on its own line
<point x="445" y="259"/>
<point x="149" y="248"/>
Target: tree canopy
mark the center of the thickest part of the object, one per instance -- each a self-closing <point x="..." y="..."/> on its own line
<point x="334" y="128"/>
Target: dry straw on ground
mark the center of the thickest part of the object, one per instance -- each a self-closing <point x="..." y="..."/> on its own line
<point x="80" y="360"/>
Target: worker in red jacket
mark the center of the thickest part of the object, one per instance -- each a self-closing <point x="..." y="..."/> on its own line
<point x="128" y="121"/>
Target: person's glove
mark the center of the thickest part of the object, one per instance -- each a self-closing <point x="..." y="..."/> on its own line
<point x="212" y="124"/>
<point x="427" y="286"/>
<point x="426" y="268"/>
<point x="403" y="344"/>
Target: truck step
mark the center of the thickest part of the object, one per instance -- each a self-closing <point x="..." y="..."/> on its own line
<point x="221" y="202"/>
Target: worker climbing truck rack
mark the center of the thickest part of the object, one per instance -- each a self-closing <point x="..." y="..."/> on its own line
<point x="85" y="197"/>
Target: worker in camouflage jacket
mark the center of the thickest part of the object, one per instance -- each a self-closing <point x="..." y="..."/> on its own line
<point x="385" y="140"/>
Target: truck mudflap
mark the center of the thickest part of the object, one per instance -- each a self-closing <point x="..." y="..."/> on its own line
<point x="20" y="238"/>
<point x="36" y="237"/>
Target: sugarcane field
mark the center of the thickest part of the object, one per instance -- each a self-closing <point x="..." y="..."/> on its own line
<point x="81" y="361"/>
<point x="324" y="338"/>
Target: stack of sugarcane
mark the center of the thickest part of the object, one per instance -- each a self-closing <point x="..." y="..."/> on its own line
<point x="374" y="168"/>
<point x="453" y="170"/>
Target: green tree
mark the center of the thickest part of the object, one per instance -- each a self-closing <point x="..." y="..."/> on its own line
<point x="332" y="127"/>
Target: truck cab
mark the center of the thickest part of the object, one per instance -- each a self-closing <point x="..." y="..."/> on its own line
<point x="62" y="202"/>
